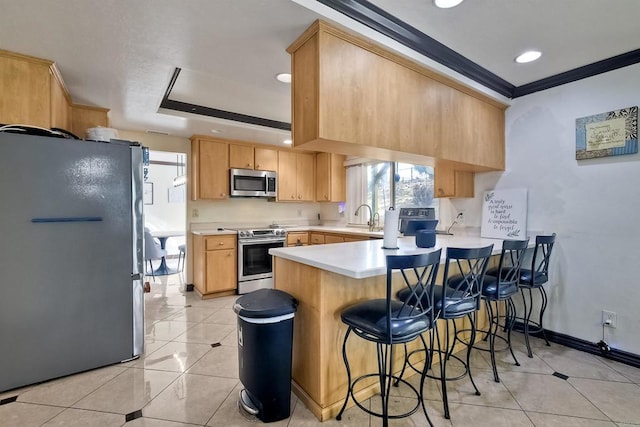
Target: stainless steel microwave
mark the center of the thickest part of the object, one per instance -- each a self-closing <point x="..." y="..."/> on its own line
<point x="250" y="183"/>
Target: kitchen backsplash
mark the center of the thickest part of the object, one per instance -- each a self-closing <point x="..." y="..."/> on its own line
<point x="260" y="211"/>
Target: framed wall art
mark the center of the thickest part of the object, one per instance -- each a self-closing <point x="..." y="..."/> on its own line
<point x="607" y="134"/>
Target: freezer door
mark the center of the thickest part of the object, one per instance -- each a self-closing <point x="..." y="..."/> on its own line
<point x="66" y="296"/>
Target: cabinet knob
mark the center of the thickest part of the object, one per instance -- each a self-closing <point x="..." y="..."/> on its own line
<point x="248" y="165"/>
<point x="257" y="166"/>
<point x="293" y="196"/>
<point x="299" y="197"/>
<point x="229" y="254"/>
<point x="221" y="194"/>
<point x="221" y="243"/>
<point x="326" y="197"/>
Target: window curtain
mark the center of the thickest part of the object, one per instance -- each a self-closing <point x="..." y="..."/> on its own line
<point x="356" y="193"/>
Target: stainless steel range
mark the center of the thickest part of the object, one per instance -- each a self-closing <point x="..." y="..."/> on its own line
<point x="255" y="265"/>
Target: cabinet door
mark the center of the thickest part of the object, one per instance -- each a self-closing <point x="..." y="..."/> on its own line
<point x="25" y="90"/>
<point x="452" y="183"/>
<point x="330" y="178"/>
<point x="317" y="239"/>
<point x="287" y="187"/>
<point x="266" y="159"/>
<point x="333" y="239"/>
<point x="221" y="270"/>
<point x="305" y="172"/>
<point x="213" y="177"/>
<point x="240" y="156"/>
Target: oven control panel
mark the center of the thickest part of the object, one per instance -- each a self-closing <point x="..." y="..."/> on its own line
<point x="262" y="233"/>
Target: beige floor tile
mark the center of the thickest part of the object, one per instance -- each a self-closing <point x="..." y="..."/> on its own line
<point x="619" y="401"/>
<point x="150" y="422"/>
<point x="546" y="393"/>
<point x="504" y="362"/>
<point x="193" y="314"/>
<point x="190" y="399"/>
<point x="18" y="414"/>
<point x="206" y="333"/>
<point x="174" y="356"/>
<point x="221" y="361"/>
<point x="166" y="330"/>
<point x="231" y="339"/>
<point x="229" y="415"/>
<point x="224" y="317"/>
<point x="302" y="417"/>
<point x="400" y="404"/>
<point x="431" y="388"/>
<point x="631" y="372"/>
<point x="81" y="418"/>
<point x="579" y="364"/>
<point x="492" y="393"/>
<point x="150" y="345"/>
<point x="66" y="391"/>
<point x="549" y="420"/>
<point x="128" y="392"/>
<point x="478" y="416"/>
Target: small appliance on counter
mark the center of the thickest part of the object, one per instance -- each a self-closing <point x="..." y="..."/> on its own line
<point x="410" y="214"/>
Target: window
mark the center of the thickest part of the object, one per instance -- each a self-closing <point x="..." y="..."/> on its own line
<point x="385" y="184"/>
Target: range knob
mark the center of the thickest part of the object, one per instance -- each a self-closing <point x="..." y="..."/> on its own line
<point x="243" y="234"/>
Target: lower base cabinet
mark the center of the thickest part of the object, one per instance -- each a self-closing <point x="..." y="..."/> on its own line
<point x="215" y="265"/>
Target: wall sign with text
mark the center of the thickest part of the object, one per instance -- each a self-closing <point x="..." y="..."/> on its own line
<point x="504" y="214"/>
<point x="607" y="134"/>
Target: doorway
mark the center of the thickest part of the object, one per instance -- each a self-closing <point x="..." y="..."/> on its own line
<point x="165" y="214"/>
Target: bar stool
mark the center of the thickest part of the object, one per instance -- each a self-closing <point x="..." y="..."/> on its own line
<point x="500" y="284"/>
<point x="181" y="256"/>
<point x="534" y="278"/>
<point x="457" y="298"/>
<point x="388" y="321"/>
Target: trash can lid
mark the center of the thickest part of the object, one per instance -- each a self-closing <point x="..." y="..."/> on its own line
<point x="265" y="303"/>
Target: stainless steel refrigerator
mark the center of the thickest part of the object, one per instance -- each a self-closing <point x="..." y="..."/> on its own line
<point x="71" y="256"/>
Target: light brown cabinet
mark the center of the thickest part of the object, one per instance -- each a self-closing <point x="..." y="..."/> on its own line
<point x="331" y="180"/>
<point x="215" y="264"/>
<point x="297" y="238"/>
<point x="33" y="93"/>
<point x="316" y="238"/>
<point x="249" y="157"/>
<point x="209" y="169"/>
<point x="295" y="176"/>
<point x="452" y="183"/>
<point x="354" y="97"/>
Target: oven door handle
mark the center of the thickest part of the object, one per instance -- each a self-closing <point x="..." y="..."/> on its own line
<point x="260" y="241"/>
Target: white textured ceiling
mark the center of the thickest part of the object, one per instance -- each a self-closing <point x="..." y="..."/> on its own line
<point x="120" y="54"/>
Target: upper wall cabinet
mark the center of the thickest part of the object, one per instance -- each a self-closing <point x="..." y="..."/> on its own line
<point x="32" y="92"/>
<point x="209" y="168"/>
<point x="295" y="176"/>
<point x="250" y="157"/>
<point x="351" y="96"/>
<point x="331" y="180"/>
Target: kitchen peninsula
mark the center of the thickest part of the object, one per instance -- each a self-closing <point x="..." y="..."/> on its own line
<point x="326" y="279"/>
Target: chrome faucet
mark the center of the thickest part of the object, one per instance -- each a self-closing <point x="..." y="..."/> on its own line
<point x="371" y="222"/>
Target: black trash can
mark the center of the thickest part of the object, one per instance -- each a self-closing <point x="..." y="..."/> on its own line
<point x="265" y="337"/>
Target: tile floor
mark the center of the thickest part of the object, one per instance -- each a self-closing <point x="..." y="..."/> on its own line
<point x="183" y="381"/>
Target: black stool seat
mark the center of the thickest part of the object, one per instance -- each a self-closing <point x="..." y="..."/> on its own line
<point x="490" y="288"/>
<point x="370" y="318"/>
<point x="539" y="278"/>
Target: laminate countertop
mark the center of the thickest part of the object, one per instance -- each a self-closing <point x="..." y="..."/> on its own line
<point x="366" y="258"/>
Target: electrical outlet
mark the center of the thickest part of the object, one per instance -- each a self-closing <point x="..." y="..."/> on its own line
<point x="195" y="213"/>
<point x="609" y="318"/>
<point x="461" y="217"/>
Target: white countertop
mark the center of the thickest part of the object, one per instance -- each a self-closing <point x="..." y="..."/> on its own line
<point x="367" y="258"/>
<point x="214" y="232"/>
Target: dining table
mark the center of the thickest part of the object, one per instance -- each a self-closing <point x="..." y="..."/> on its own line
<point x="162" y="236"/>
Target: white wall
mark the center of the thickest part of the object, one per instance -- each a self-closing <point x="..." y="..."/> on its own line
<point x="592" y="205"/>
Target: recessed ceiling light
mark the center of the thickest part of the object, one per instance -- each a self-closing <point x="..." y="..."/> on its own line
<point x="284" y="77"/>
<point x="287" y="141"/>
<point x="446" y="4"/>
<point x="528" y="56"/>
<point x="215" y="131"/>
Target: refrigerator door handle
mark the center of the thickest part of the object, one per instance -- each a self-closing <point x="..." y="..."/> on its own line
<point x="136" y="276"/>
